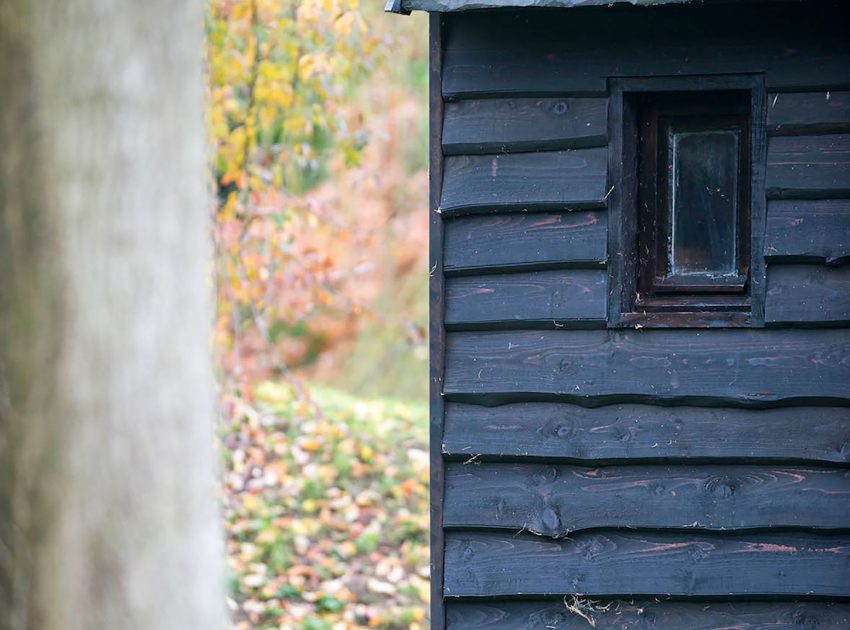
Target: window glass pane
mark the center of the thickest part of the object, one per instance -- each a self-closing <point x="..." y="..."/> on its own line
<point x="704" y="212"/>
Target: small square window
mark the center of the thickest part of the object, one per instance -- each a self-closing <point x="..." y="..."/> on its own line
<point x="683" y="246"/>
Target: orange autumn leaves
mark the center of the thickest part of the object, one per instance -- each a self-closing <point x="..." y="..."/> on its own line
<point x="280" y="75"/>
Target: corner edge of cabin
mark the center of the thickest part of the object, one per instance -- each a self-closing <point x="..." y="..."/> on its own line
<point x="395" y="6"/>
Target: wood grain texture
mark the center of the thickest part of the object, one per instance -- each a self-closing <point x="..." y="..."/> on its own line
<point x="550" y="53"/>
<point x="638" y="563"/>
<point x="808" y="167"/>
<point x="524" y="124"/>
<point x="525" y="241"/>
<point x="808" y="231"/>
<point x="548" y="299"/>
<point x="597" y="367"/>
<point x="807" y="294"/>
<point x="552" y="180"/>
<point x="808" y="112"/>
<point x="648" y="615"/>
<point x="555" y="500"/>
<point x="616" y="433"/>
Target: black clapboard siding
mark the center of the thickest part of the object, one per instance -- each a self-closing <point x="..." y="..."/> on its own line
<point x="808" y="167"/>
<point x="551" y="53"/>
<point x="555" y="500"/>
<point x="808" y="231"/>
<point x="525" y="241"/>
<point x="646" y="615"/>
<point x="597" y="367"/>
<point x="550" y="299"/>
<point x="551" y="180"/>
<point x="807" y="294"/>
<point x="629" y="432"/>
<point x="808" y="112"/>
<point x="524" y="124"/>
<point x="616" y="563"/>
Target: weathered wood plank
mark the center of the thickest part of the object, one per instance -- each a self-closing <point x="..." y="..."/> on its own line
<point x="547" y="53"/>
<point x="552" y="180"/>
<point x="556" y="500"/>
<point x="553" y="299"/>
<point x="741" y="366"/>
<point x="808" y="231"/>
<point x="808" y="167"/>
<point x="808" y="112"/>
<point x="525" y="241"/>
<point x="807" y="294"/>
<point x="646" y="614"/>
<point x="524" y="124"/>
<point x="615" y="433"/>
<point x="642" y="564"/>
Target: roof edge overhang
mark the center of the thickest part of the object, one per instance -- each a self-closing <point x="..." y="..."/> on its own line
<point x="404" y="7"/>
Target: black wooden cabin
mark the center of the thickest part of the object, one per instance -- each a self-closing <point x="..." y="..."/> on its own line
<point x="640" y="293"/>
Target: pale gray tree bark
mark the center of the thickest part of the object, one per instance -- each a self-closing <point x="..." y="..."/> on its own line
<point x="108" y="516"/>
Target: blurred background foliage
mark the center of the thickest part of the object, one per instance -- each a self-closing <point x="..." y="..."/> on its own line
<point x="318" y="131"/>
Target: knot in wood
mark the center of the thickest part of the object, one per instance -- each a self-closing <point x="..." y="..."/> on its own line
<point x="722" y="487"/>
<point x="467" y="553"/>
<point x="560" y="108"/>
<point x="560" y="428"/>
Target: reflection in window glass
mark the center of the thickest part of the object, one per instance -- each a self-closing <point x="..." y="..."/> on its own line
<point x="704" y="212"/>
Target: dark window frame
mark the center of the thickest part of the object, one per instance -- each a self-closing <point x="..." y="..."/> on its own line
<point x="634" y="296"/>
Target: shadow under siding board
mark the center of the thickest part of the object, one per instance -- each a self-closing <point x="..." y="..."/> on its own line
<point x="808" y="112"/>
<point x="808" y="167"/>
<point x="524" y="124"/>
<point x="646" y="614"/>
<point x="551" y="180"/>
<point x="611" y="563"/>
<point x="619" y="433"/>
<point x="549" y="53"/>
<point x="560" y="298"/>
<point x="555" y="500"/>
<point x="808" y="231"/>
<point x="715" y="367"/>
<point x="524" y="241"/>
<point x="807" y="294"/>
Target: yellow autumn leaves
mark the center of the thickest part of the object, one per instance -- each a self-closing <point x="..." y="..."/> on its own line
<point x="280" y="73"/>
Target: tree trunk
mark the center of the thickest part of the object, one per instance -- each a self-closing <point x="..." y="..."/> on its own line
<point x="107" y="482"/>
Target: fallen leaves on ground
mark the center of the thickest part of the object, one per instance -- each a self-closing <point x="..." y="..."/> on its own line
<point x="326" y="509"/>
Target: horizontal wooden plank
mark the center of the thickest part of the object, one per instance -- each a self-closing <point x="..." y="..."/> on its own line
<point x="634" y="614"/>
<point x="547" y="53"/>
<point x="524" y="124"/>
<point x="807" y="294"/>
<point x="555" y="500"/>
<point x="551" y="299"/>
<point x="808" y="231"/>
<point x="552" y="180"/>
<point x="615" y="433"/>
<point x="742" y="366"/>
<point x="617" y="563"/>
<point x="808" y="167"/>
<point x="525" y="241"/>
<point x="808" y="112"/>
